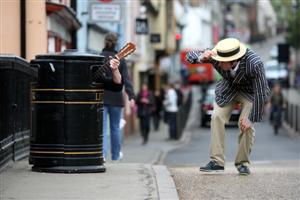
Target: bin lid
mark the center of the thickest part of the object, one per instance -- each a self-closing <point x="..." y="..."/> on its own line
<point x="71" y="54"/>
<point x="13" y="62"/>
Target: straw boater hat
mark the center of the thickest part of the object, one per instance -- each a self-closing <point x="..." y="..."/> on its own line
<point x="228" y="50"/>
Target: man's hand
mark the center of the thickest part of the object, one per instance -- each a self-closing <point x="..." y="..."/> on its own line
<point x="132" y="103"/>
<point x="114" y="64"/>
<point x="207" y="55"/>
<point x="198" y="57"/>
<point x="245" y="124"/>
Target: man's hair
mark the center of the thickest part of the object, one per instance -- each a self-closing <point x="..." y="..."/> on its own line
<point x="231" y="62"/>
<point x="111" y="40"/>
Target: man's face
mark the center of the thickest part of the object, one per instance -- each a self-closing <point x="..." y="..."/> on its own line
<point x="227" y="65"/>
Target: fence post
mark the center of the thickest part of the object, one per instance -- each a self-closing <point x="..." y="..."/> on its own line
<point x="291" y="116"/>
<point x="296" y="119"/>
<point x="286" y="112"/>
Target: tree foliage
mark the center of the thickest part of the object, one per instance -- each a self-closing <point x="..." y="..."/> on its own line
<point x="288" y="15"/>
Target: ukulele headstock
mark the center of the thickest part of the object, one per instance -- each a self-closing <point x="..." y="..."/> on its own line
<point x="125" y="51"/>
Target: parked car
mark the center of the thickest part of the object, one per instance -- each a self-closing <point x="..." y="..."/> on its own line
<point x="274" y="52"/>
<point x="207" y="105"/>
<point x="276" y="72"/>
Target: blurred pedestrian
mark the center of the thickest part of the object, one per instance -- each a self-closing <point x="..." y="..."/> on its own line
<point x="297" y="81"/>
<point x="145" y="107"/>
<point x="179" y="94"/>
<point x="184" y="72"/>
<point x="276" y="105"/>
<point x="165" y="113"/>
<point x="113" y="103"/>
<point x="243" y="80"/>
<point x="157" y="108"/>
<point x="171" y="108"/>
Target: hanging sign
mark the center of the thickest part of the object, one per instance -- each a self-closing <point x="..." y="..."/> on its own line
<point x="105" y="12"/>
<point x="141" y="26"/>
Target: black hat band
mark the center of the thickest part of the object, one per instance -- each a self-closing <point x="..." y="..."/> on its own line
<point x="228" y="54"/>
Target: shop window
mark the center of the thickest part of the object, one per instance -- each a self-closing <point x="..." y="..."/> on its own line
<point x="51" y="45"/>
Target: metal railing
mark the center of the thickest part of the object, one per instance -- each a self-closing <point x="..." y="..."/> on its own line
<point x="182" y="115"/>
<point x="15" y="77"/>
<point x="292" y="110"/>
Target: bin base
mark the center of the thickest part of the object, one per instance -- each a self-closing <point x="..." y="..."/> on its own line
<point x="70" y="169"/>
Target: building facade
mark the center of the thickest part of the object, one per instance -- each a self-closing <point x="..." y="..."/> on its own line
<point x="34" y="27"/>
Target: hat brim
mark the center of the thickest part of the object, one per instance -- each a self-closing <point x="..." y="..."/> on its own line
<point x="242" y="52"/>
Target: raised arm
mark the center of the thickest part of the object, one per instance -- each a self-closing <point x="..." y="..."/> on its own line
<point x="116" y="75"/>
<point x="194" y="57"/>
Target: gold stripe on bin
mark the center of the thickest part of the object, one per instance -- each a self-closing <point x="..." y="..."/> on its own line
<point x="84" y="90"/>
<point x="65" y="90"/>
<point x="67" y="102"/>
<point x="82" y="153"/>
<point x="67" y="153"/>
<point x="48" y="152"/>
<point x="49" y="102"/>
<point x="83" y="102"/>
<point x="47" y="89"/>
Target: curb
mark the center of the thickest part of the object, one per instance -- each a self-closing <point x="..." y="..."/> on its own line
<point x="166" y="188"/>
<point x="185" y="138"/>
<point x="164" y="180"/>
<point x="165" y="184"/>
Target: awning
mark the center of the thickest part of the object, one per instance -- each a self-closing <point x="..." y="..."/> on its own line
<point x="66" y="13"/>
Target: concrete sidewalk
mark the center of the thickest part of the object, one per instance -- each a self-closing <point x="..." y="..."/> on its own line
<point x="121" y="181"/>
<point x="137" y="176"/>
<point x="269" y="180"/>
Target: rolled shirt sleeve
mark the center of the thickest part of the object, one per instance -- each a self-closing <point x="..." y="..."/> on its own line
<point x="194" y="57"/>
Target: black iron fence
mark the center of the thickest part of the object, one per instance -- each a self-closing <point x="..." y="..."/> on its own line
<point x="15" y="78"/>
<point x="292" y="116"/>
<point x="292" y="110"/>
<point x="183" y="113"/>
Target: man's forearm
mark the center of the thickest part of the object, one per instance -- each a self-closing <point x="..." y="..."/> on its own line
<point x="193" y="57"/>
<point x="116" y="75"/>
<point x="117" y="78"/>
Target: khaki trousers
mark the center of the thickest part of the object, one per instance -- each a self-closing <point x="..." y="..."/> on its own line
<point x="219" y="118"/>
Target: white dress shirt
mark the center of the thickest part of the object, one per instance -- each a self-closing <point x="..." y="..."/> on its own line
<point x="170" y="101"/>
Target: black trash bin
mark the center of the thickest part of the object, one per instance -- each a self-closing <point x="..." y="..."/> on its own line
<point x="67" y="114"/>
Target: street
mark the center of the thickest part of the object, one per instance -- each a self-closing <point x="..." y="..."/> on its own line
<point x="112" y="99"/>
<point x="267" y="147"/>
<point x="266" y="182"/>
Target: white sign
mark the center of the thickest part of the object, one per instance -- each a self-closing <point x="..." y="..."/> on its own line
<point x="106" y="12"/>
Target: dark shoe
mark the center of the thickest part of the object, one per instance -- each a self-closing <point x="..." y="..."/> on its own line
<point x="244" y="170"/>
<point x="169" y="139"/>
<point x="212" y="166"/>
<point x="145" y="141"/>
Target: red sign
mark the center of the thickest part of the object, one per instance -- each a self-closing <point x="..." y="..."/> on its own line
<point x="178" y="36"/>
<point x="105" y="1"/>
